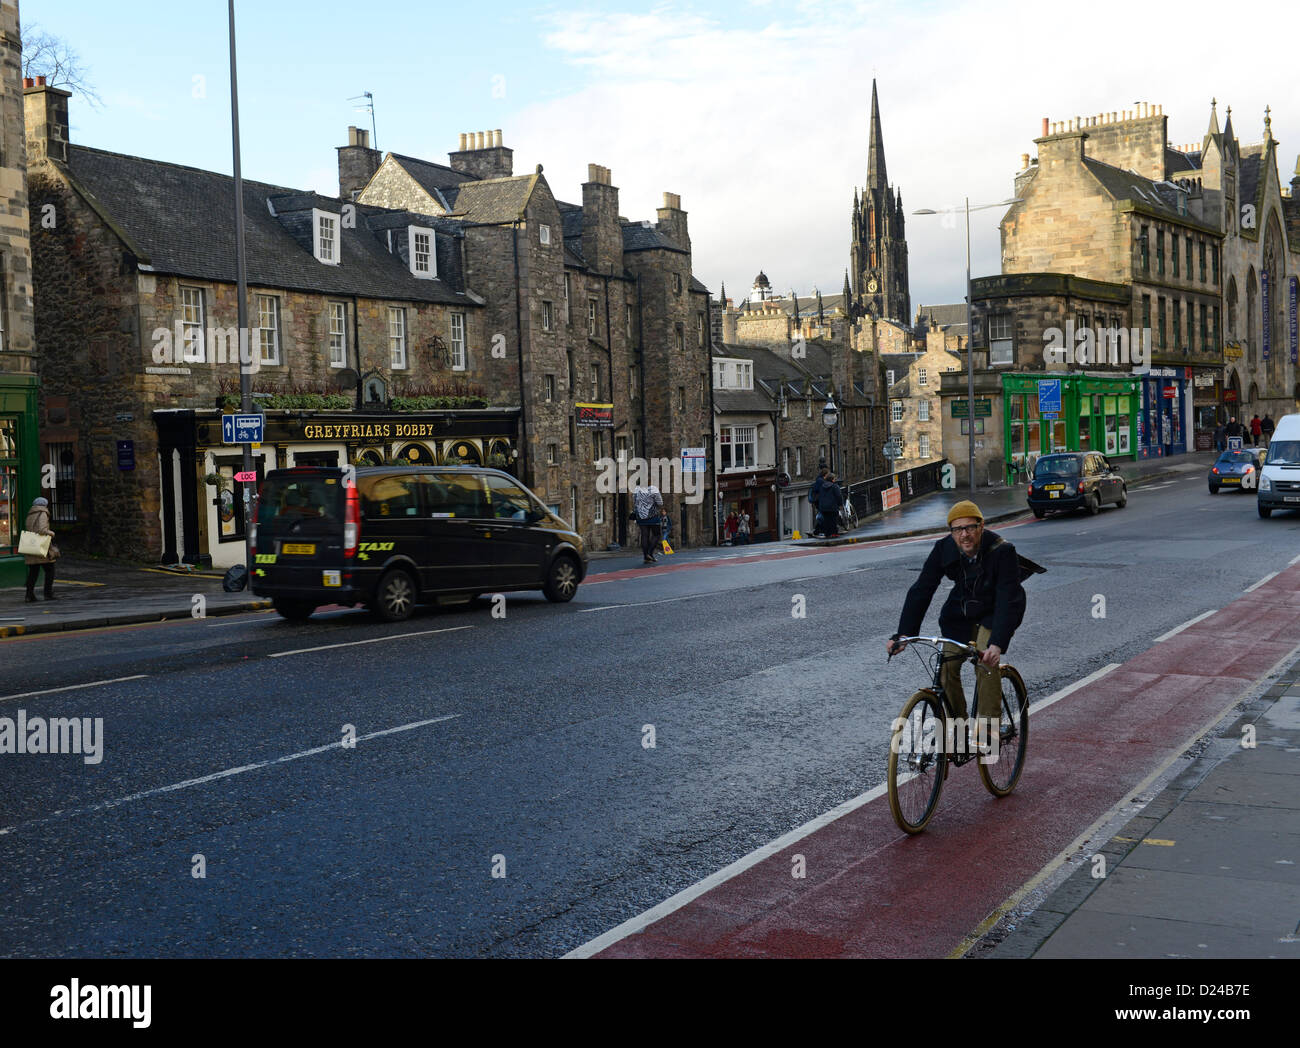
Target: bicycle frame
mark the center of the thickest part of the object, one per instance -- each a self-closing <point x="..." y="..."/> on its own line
<point x="969" y="653"/>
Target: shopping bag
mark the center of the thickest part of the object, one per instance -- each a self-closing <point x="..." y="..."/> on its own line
<point x="31" y="544"/>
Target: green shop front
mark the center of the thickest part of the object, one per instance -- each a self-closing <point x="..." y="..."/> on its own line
<point x="1068" y="412"/>
<point x="20" y="470"/>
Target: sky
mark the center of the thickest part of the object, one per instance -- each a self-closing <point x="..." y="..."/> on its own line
<point x="755" y="111"/>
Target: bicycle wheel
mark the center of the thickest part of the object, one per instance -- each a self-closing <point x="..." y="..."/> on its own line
<point x="1000" y="777"/>
<point x="916" y="762"/>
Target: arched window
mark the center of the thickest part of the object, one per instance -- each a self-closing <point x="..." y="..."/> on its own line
<point x="1232" y="307"/>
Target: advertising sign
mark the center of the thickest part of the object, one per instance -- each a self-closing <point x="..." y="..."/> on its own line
<point x="595" y="416"/>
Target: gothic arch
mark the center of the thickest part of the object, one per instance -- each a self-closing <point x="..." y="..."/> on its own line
<point x="1273" y="261"/>
<point x="1232" y="306"/>
<point x="1252" y="325"/>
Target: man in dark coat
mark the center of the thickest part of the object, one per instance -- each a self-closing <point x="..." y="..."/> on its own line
<point x="985" y="607"/>
<point x="812" y="499"/>
<point x="829" y="500"/>
<point x="1266" y="428"/>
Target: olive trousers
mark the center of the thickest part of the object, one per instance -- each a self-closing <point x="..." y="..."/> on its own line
<point x="988" y="683"/>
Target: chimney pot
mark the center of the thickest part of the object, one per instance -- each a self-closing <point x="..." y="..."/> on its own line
<point x="480" y="140"/>
<point x="462" y="142"/>
<point x="40" y="81"/>
<point x="496" y="138"/>
<point x="1024" y="161"/>
<point x="1045" y="125"/>
<point x="29" y="81"/>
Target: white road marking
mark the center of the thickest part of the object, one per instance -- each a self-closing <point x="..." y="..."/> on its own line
<point x="1179" y="629"/>
<point x="647" y="603"/>
<point x="1270" y="575"/>
<point x="1293" y="560"/>
<point x="72" y="687"/>
<point x="372" y="640"/>
<point x="228" y="773"/>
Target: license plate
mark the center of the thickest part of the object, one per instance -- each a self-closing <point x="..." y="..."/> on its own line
<point x="1055" y="494"/>
<point x="1231" y="480"/>
<point x="1291" y="498"/>
<point x="1053" y="487"/>
<point x="301" y="548"/>
<point x="331" y="578"/>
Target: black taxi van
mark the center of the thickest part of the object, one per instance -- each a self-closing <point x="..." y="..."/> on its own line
<point x="391" y="537"/>
<point x="1068" y="480"/>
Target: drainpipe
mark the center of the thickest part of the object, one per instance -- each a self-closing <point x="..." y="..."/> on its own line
<point x="712" y="500"/>
<point x="523" y="461"/>
<point x="609" y="352"/>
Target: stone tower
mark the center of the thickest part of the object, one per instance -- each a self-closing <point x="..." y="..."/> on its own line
<point x="879" y="245"/>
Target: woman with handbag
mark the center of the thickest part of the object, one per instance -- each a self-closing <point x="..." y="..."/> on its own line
<point x="37" y="533"/>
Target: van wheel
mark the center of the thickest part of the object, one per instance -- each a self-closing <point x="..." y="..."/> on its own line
<point x="561" y="580"/>
<point x="294" y="610"/>
<point x="1264" y="511"/>
<point x="394" y="599"/>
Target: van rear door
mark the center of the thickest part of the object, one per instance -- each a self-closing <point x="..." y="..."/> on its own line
<point x="300" y="517"/>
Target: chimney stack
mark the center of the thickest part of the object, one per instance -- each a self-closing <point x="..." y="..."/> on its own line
<point x="602" y="236"/>
<point x="357" y="163"/>
<point x="481" y="156"/>
<point x="672" y="221"/>
<point x="45" y="113"/>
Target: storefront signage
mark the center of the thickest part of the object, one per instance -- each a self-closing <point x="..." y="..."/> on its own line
<point x="1230" y="395"/>
<point x="961" y="408"/>
<point x="368" y="430"/>
<point x="126" y="454"/>
<point x="1204" y="378"/>
<point x="1266" y="330"/>
<point x="595" y="416"/>
<point x="1292" y="295"/>
<point x="1233" y="351"/>
<point x="1169" y="392"/>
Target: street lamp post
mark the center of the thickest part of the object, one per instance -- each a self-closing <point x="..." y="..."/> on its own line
<point x="246" y="348"/>
<point x="970" y="333"/>
<point x="831" y="418"/>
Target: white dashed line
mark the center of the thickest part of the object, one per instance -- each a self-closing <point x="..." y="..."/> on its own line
<point x="1179" y="629"/>
<point x="372" y="640"/>
<point x="72" y="687"/>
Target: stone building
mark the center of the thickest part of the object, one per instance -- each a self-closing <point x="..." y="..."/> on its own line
<point x="428" y="314"/>
<point x="20" y="458"/>
<point x="912" y="385"/>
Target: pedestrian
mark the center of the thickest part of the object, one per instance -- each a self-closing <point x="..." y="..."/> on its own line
<point x="648" y="507"/>
<point x="1266" y="428"/>
<point x="38" y="522"/>
<point x="812" y="499"/>
<point x="1256" y="428"/>
<point x="730" y="527"/>
<point x="1219" y="445"/>
<point x="742" y="528"/>
<point x="1233" y="428"/>
<point x="829" y="501"/>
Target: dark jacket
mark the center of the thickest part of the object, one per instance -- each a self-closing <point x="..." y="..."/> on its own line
<point x="816" y="489"/>
<point x="988" y="593"/>
<point x="830" y="498"/>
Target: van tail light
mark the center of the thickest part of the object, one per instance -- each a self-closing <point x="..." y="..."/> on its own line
<point x="352" y="522"/>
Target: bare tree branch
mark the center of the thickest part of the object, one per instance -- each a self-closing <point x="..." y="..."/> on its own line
<point x="47" y="55"/>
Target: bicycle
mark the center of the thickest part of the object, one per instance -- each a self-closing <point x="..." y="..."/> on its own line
<point x="848" y="516"/>
<point x="923" y="746"/>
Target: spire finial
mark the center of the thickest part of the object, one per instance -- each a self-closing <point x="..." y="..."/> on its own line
<point x="1268" y="123"/>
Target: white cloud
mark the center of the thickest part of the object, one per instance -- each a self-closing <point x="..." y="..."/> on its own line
<point x="760" y="120"/>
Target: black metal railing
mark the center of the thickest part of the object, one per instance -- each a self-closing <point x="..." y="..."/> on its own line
<point x="912" y="483"/>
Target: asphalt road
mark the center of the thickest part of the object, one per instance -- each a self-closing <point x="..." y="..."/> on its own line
<point x="520" y="746"/>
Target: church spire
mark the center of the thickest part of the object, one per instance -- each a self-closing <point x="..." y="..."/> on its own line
<point x="876" y="176"/>
<point x="848" y="294"/>
<point x="1214" y="118"/>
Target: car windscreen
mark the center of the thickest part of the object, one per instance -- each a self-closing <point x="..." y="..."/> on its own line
<point x="305" y="504"/>
<point x="1238" y="456"/>
<point x="1061" y="465"/>
<point x="1284" y="453"/>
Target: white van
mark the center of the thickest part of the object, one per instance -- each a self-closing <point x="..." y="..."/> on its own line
<point x="1279" y="479"/>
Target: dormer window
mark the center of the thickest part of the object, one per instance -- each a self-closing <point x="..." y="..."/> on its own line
<point x="326" y="238"/>
<point x="420" y="244"/>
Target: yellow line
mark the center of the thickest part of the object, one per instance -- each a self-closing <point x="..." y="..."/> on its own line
<point x="70" y="582"/>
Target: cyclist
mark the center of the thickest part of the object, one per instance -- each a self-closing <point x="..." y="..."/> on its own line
<point x="986" y="606"/>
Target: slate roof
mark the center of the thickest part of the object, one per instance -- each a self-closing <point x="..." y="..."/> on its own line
<point x="743" y="400"/>
<point x="431" y="177"/>
<point x="492" y="200"/>
<point x="637" y="237"/>
<point x="1128" y="185"/>
<point x="180" y="221"/>
<point x="1248" y="172"/>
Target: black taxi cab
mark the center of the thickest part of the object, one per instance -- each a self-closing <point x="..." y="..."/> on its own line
<point x="1069" y="480"/>
<point x="392" y="537"/>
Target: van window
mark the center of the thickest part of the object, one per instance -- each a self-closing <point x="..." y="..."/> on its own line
<point x="509" y="500"/>
<point x="455" y="495"/>
<point x="387" y="496"/>
<point x="1284" y="452"/>
<point x="300" y="505"/>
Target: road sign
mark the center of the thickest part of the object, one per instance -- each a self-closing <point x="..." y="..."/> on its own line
<point x="692" y="460"/>
<point x="1049" y="396"/>
<point x="246" y="478"/>
<point x="242" y="429"/>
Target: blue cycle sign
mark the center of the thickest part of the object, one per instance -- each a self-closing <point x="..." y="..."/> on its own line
<point x="1049" y="396"/>
<point x="242" y="429"/>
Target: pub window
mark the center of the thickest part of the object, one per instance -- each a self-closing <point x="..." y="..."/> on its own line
<point x="458" y="361"/>
<point x="268" y="328"/>
<point x="397" y="337"/>
<point x="338" y="315"/>
<point x="192" y="324"/>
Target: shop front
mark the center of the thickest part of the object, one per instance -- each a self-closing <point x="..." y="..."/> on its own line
<point x="753" y="493"/>
<point x="202" y="509"/>
<point x="20" y="471"/>
<point x="1207" y="410"/>
<point x="1067" y="412"/>
<point x="1165" y="417"/>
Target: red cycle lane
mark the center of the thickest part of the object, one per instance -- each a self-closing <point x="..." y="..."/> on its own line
<point x="871" y="891"/>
